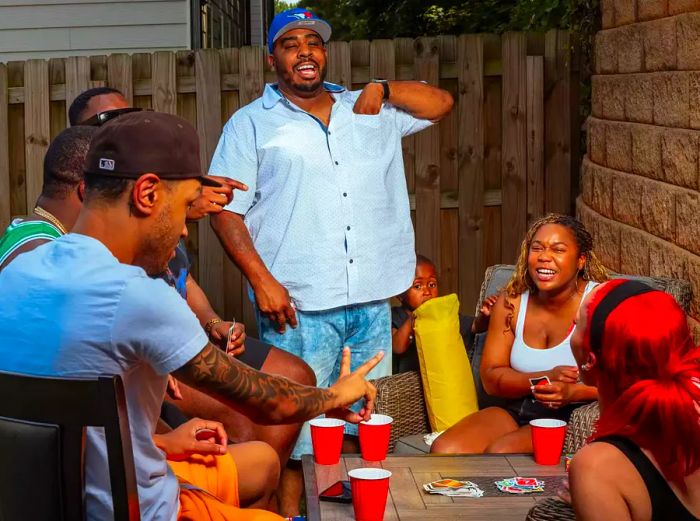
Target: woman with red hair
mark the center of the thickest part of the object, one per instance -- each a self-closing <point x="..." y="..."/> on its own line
<point x="633" y="344"/>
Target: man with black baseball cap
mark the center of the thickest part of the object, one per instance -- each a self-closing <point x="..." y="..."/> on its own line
<point x="93" y="310"/>
<point x="94" y="107"/>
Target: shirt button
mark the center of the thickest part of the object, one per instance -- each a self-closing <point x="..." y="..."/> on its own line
<point x="348" y="227"/>
<point x="329" y="132"/>
<point x="336" y="162"/>
<point x="345" y="194"/>
<point x="350" y="261"/>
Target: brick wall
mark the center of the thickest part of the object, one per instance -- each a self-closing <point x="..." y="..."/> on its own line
<point x="640" y="180"/>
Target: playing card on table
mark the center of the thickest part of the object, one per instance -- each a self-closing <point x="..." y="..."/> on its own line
<point x="519" y="485"/>
<point x="453" y="488"/>
<point x="526" y="482"/>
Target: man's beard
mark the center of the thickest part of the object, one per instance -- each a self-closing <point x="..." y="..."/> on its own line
<point x="156" y="249"/>
<point x="312" y="87"/>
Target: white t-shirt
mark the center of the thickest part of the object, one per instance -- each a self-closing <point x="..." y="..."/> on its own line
<point x="69" y="308"/>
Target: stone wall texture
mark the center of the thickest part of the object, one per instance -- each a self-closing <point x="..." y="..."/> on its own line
<point x="640" y="179"/>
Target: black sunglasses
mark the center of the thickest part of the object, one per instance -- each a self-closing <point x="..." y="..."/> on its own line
<point x="101" y="118"/>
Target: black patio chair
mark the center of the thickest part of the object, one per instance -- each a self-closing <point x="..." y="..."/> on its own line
<point x="42" y="424"/>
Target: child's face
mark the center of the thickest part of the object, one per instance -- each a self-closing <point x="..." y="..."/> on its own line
<point x="425" y="286"/>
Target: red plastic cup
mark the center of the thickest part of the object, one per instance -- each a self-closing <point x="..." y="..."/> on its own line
<point x="374" y="437"/>
<point x="327" y="439"/>
<point x="370" y="488"/>
<point x="548" y="440"/>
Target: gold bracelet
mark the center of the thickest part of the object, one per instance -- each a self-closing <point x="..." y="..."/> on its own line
<point x="210" y="324"/>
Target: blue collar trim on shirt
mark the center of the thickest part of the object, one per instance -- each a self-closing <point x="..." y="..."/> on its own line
<point x="271" y="94"/>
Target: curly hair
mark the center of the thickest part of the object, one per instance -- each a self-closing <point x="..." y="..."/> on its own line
<point x="521" y="280"/>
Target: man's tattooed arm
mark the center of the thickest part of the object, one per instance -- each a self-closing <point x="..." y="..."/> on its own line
<point x="264" y="398"/>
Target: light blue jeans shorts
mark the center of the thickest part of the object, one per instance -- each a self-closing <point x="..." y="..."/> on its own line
<point x="319" y="339"/>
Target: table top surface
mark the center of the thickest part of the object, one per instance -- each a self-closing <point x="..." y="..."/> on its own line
<point x="409" y="502"/>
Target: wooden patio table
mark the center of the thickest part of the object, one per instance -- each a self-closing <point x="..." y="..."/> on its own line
<point x="408" y="501"/>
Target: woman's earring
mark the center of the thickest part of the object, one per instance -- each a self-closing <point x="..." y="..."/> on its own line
<point x="589" y="363"/>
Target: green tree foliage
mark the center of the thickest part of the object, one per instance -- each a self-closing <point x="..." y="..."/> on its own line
<point x="370" y="19"/>
<point x="281" y="6"/>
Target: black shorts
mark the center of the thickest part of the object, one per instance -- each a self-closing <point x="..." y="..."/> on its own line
<point x="255" y="354"/>
<point x="526" y="409"/>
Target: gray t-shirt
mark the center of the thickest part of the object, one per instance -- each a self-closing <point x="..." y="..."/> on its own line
<point x="70" y="308"/>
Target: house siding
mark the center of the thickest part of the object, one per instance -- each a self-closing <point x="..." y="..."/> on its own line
<point x="78" y="27"/>
<point x="261" y="13"/>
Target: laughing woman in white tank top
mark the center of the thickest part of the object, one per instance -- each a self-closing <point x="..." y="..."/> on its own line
<point x="528" y="337"/>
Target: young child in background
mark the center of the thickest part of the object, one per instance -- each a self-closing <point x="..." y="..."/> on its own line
<point x="425" y="287"/>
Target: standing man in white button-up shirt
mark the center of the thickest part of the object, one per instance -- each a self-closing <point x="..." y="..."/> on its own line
<point x="324" y="234"/>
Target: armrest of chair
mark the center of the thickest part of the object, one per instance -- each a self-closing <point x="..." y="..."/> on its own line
<point x="401" y="397"/>
<point x="580" y="428"/>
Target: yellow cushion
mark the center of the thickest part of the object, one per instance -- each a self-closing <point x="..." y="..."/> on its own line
<point x="448" y="383"/>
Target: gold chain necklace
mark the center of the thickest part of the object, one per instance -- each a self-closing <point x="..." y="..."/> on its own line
<point x="51" y="218"/>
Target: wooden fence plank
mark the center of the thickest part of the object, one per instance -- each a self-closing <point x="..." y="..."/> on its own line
<point x="141" y="70"/>
<point x="98" y="70"/>
<point x="428" y="161"/>
<point x="5" y="209"/>
<point x="77" y="78"/>
<point x="449" y="252"/>
<point x="37" y="125"/>
<point x="493" y="122"/>
<point x="164" y="82"/>
<point x="449" y="136"/>
<point x="382" y="59"/>
<point x="17" y="144"/>
<point x="535" y="138"/>
<point x="250" y="68"/>
<point x="470" y="63"/>
<point x="211" y="256"/>
<point x="339" y="66"/>
<point x="449" y="126"/>
<point x="187" y="109"/>
<point x="119" y="75"/>
<point x="514" y="154"/>
<point x="359" y="55"/>
<point x="235" y="299"/>
<point x="57" y="108"/>
<point x="557" y="122"/>
<point x="405" y="57"/>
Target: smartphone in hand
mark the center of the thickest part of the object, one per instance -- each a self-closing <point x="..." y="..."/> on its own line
<point x="338" y="492"/>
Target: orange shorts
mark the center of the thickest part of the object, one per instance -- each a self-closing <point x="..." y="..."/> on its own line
<point x="209" y="491"/>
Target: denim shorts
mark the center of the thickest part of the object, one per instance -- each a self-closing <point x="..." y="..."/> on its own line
<point x="319" y="339"/>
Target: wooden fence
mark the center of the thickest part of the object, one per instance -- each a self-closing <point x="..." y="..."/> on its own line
<point x="507" y="153"/>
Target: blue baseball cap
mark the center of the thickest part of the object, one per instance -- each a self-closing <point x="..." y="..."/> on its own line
<point x="296" y="18"/>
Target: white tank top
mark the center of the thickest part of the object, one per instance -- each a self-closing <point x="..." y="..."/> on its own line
<point x="525" y="359"/>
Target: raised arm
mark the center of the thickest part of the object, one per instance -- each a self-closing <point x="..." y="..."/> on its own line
<point x="270" y="296"/>
<point x="420" y="100"/>
<point x="268" y="399"/>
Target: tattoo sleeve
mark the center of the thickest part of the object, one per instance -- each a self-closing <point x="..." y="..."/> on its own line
<point x="266" y="399"/>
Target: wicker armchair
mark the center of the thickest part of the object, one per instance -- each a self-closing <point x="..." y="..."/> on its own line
<point x="401" y="396"/>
